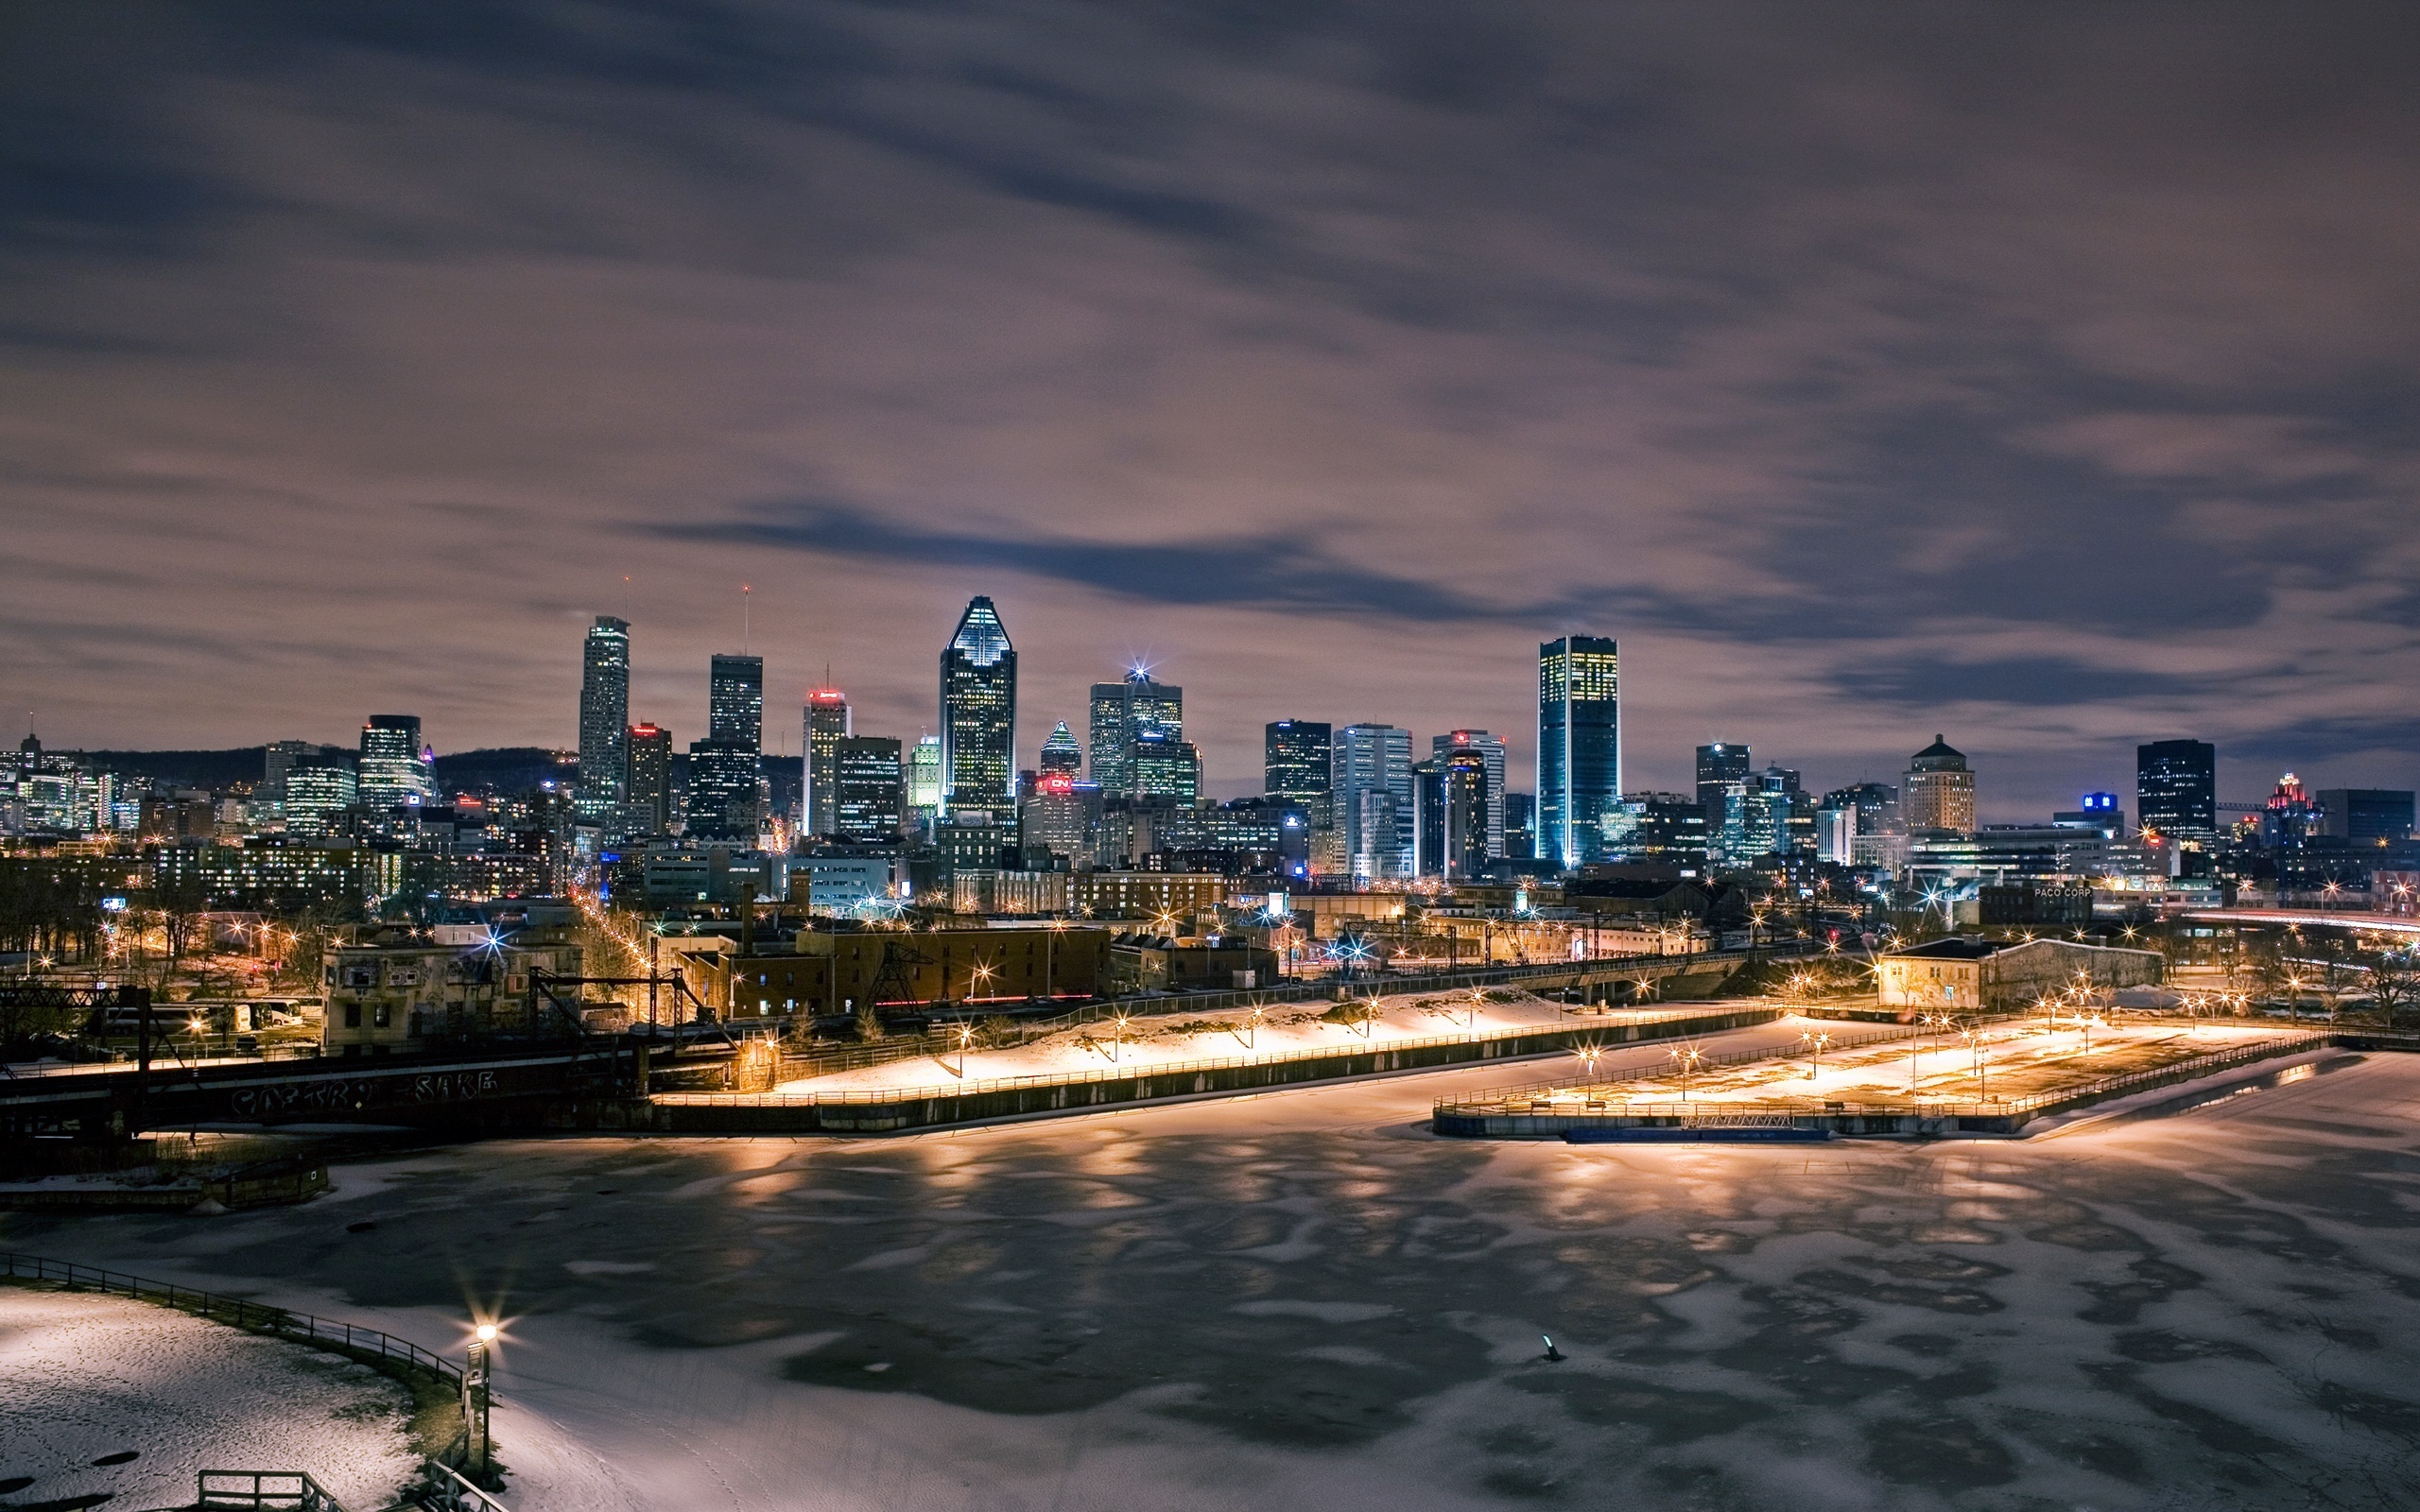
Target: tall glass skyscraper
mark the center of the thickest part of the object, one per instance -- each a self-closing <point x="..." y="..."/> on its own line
<point x="1579" y="745"/>
<point x="604" y="721"/>
<point x="735" y="701"/>
<point x="1294" y="760"/>
<point x="1722" y="793"/>
<point x="1492" y="749"/>
<point x="979" y="713"/>
<point x="2176" y="789"/>
<point x="395" y="767"/>
<point x="649" y="807"/>
<point x="1371" y="786"/>
<point x="1123" y="712"/>
<point x="1061" y="753"/>
<point x="827" y="725"/>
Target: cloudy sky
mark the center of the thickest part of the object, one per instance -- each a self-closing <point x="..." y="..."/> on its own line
<point x="2042" y="375"/>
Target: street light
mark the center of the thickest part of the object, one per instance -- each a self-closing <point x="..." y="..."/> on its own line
<point x="1816" y="1044"/>
<point x="1689" y="1060"/>
<point x="475" y="1396"/>
<point x="1973" y="1036"/>
<point x="965" y="1038"/>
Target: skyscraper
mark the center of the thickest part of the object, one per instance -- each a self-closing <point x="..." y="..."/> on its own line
<point x="1940" y="790"/>
<point x="604" y="720"/>
<point x="1579" y="745"/>
<point x="827" y="725"/>
<point x="1295" y="759"/>
<point x="867" y="788"/>
<point x="1121" y="713"/>
<point x="276" y="761"/>
<point x="923" y="779"/>
<point x="1473" y="803"/>
<point x="395" y="767"/>
<point x="1722" y="793"/>
<point x="979" y="713"/>
<point x="1061" y="753"/>
<point x="1162" y="765"/>
<point x="647" y="803"/>
<point x="2176" y="789"/>
<point x="1370" y="784"/>
<point x="1491" y="750"/>
<point x="735" y="701"/>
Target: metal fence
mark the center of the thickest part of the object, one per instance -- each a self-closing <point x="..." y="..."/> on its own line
<point x="235" y="1310"/>
<point x="1530" y="1091"/>
<point x="847" y="1097"/>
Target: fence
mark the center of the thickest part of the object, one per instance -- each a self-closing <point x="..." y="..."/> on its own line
<point x="263" y="1490"/>
<point x="1605" y="1078"/>
<point x="1164" y="1068"/>
<point x="322" y="1331"/>
<point x="447" y="1492"/>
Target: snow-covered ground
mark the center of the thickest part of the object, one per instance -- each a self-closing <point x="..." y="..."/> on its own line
<point x="85" y="1378"/>
<point x="1304" y="1300"/>
<point x="1287" y="1029"/>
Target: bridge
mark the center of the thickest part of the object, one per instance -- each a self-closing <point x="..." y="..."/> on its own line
<point x="2405" y="924"/>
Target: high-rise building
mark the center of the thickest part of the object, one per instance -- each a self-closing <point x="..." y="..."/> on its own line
<point x="2176" y="789"/>
<point x="979" y="711"/>
<point x="1876" y="805"/>
<point x="1662" y="829"/>
<point x="1123" y="712"/>
<point x="1491" y="750"/>
<point x="923" y="780"/>
<point x="646" y="808"/>
<point x="1061" y="753"/>
<point x="1520" y="826"/>
<point x="1472" y="808"/>
<point x="1722" y="793"/>
<point x="319" y="788"/>
<point x="1579" y="745"/>
<point x="396" y="767"/>
<point x="604" y="720"/>
<point x="1836" y="835"/>
<point x="1370" y="784"/>
<point x="1295" y="759"/>
<point x="1161" y="766"/>
<point x="1059" y="819"/>
<point x="827" y="725"/>
<point x="735" y="701"/>
<point x="1940" y="790"/>
<point x="276" y="761"/>
<point x="868" y="787"/>
<point x="2365" y="816"/>
<point x="723" y="790"/>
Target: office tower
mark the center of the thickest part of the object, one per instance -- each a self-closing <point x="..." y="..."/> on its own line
<point x="867" y="788"/>
<point x="2095" y="810"/>
<point x="827" y="725"/>
<point x="1061" y="753"/>
<point x="319" y="788"/>
<point x="923" y="780"/>
<point x="396" y="767"/>
<point x="1657" y="829"/>
<point x="1520" y="826"/>
<point x="276" y="761"/>
<point x="2369" y="816"/>
<point x="1940" y="789"/>
<point x="1427" y="818"/>
<point x="979" y="711"/>
<point x="1295" y="758"/>
<point x="1722" y="793"/>
<point x="1876" y="805"/>
<point x="1579" y="745"/>
<point x="1836" y="835"/>
<point x="723" y="790"/>
<point x="1121" y="713"/>
<point x="1060" y="817"/>
<point x="646" y="808"/>
<point x="604" y="720"/>
<point x="1491" y="749"/>
<point x="1473" y="808"/>
<point x="2176" y="789"/>
<point x="1161" y="766"/>
<point x="735" y="701"/>
<point x="1370" y="784"/>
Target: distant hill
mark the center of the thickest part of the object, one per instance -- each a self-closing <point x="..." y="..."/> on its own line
<point x="505" y="770"/>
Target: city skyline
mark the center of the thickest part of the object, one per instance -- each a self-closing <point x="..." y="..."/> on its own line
<point x="2133" y="468"/>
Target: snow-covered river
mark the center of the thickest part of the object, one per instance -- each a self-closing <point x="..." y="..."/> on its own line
<point x="1304" y="1300"/>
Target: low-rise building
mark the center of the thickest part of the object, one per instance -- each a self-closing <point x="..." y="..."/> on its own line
<point x="1963" y="975"/>
<point x="402" y="991"/>
<point x="1156" y="963"/>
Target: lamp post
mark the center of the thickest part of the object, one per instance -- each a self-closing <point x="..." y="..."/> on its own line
<point x="1253" y="1028"/>
<point x="1973" y="1036"/>
<point x="1690" y="1058"/>
<point x="965" y="1038"/>
<point x="475" y="1396"/>
<point x="1816" y="1044"/>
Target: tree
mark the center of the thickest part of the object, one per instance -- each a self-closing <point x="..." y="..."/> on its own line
<point x="2394" y="987"/>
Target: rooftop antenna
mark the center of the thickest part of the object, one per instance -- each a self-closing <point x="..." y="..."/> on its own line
<point x="743" y="619"/>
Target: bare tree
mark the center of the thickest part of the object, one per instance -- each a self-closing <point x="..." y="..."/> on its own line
<point x="2393" y="987"/>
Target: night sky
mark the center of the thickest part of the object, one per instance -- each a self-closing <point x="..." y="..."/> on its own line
<point x="2042" y="375"/>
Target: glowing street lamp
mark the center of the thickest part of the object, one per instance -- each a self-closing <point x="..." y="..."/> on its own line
<point x="1690" y="1058"/>
<point x="475" y="1395"/>
<point x="1588" y="1056"/>
<point x="1974" y="1038"/>
<point x="1118" y="1036"/>
<point x="1816" y="1044"/>
<point x="1251" y="1028"/>
<point x="965" y="1038"/>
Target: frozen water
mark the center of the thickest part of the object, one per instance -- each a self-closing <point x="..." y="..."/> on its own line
<point x="1302" y="1299"/>
<point x="86" y="1377"/>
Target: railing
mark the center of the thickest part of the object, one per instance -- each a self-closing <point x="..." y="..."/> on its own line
<point x="1533" y="1090"/>
<point x="238" y="1313"/>
<point x="1165" y="1067"/>
<point x="448" y="1491"/>
<point x="264" y="1489"/>
<point x="857" y="1058"/>
<point x="2092" y="1090"/>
